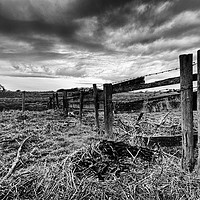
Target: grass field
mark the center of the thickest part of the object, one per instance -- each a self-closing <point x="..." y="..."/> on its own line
<point x="46" y="166"/>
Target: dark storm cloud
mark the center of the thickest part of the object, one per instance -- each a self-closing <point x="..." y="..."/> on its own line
<point x="59" y="19"/>
<point x="30" y="20"/>
<point x="88" y="8"/>
<point x="12" y="26"/>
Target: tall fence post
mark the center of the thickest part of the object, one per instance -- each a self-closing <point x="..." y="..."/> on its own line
<point x="50" y="103"/>
<point x="54" y="104"/>
<point x="198" y="109"/>
<point x="81" y="106"/>
<point x="65" y="103"/>
<point x="23" y="101"/>
<point x="57" y="101"/>
<point x="108" y="109"/>
<point x="186" y="84"/>
<point x="96" y="105"/>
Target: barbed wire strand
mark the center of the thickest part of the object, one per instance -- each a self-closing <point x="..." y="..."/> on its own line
<point x="147" y="75"/>
<point x="157" y="73"/>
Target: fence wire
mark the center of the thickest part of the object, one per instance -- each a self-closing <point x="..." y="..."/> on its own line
<point x="147" y="75"/>
<point x="151" y="74"/>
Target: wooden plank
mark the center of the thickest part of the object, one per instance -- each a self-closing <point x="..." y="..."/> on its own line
<point x="108" y="109"/>
<point x="198" y="109"/>
<point x="87" y="95"/>
<point x="76" y="101"/>
<point x="127" y="85"/>
<point x="165" y="141"/>
<point x="76" y="91"/>
<point x="23" y="101"/>
<point x="96" y="105"/>
<point x="81" y="107"/>
<point x="165" y="82"/>
<point x="186" y="87"/>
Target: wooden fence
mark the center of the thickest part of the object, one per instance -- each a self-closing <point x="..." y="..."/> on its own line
<point x="37" y="101"/>
<point x="97" y="99"/>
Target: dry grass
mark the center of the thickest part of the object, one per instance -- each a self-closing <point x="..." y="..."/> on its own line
<point x="46" y="168"/>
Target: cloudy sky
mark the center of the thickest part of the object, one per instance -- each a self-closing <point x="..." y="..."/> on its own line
<point x="52" y="44"/>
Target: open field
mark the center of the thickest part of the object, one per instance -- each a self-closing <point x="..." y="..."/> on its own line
<point x="50" y="156"/>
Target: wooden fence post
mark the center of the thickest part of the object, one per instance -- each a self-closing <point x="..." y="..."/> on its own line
<point x="198" y="109"/>
<point x="65" y="103"/>
<point x="50" y="103"/>
<point x="57" y="101"/>
<point x="81" y="106"/>
<point x="108" y="109"/>
<point x="54" y="105"/>
<point x="23" y="101"/>
<point x="96" y="105"/>
<point x="186" y="86"/>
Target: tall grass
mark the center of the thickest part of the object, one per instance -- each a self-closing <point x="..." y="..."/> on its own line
<point x="58" y="181"/>
<point x="47" y="172"/>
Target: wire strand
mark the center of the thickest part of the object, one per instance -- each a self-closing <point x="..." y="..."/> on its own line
<point x="147" y="75"/>
<point x="156" y="73"/>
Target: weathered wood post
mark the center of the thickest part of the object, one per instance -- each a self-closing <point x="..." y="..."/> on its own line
<point x="65" y="103"/>
<point x="198" y="109"/>
<point x="50" y="103"/>
<point x="108" y="109"/>
<point x="96" y="105"/>
<point x="54" y="104"/>
<point x="186" y="84"/>
<point x="57" y="101"/>
<point x="23" y="101"/>
<point x="81" y="106"/>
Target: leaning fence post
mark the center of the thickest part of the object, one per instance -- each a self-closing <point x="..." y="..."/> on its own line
<point x="96" y="105"/>
<point x="23" y="101"/>
<point x="65" y="103"/>
<point x="81" y="106"/>
<point x="108" y="109"/>
<point x="186" y="86"/>
<point x="198" y="109"/>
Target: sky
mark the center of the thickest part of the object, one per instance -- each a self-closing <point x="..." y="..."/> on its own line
<point x="53" y="44"/>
